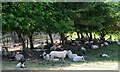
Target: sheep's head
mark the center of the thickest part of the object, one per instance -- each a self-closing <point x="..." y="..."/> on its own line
<point x="82" y="58"/>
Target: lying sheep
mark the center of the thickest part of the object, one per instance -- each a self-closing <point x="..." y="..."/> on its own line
<point x="59" y="54"/>
<point x="94" y="47"/>
<point x="104" y="55"/>
<point x="106" y="44"/>
<point x="118" y="43"/>
<point x="91" y="42"/>
<point x="77" y="42"/>
<point x="82" y="48"/>
<point x="87" y="42"/>
<point x="116" y="40"/>
<point x="71" y="55"/>
<point x="102" y="44"/>
<point x="78" y="58"/>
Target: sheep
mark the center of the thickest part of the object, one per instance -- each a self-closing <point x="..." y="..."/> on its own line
<point x="104" y="55"/>
<point x="110" y="40"/>
<point x="53" y="47"/>
<point x="87" y="42"/>
<point x="78" y="58"/>
<point x="73" y="44"/>
<point x="116" y="40"/>
<point x="59" y="54"/>
<point x="19" y="57"/>
<point x="77" y="42"/>
<point x="46" y="56"/>
<point x="102" y="44"/>
<point x="82" y="48"/>
<point x="41" y="46"/>
<point x="94" y="47"/>
<point x="91" y="42"/>
<point x="70" y="55"/>
<point x="21" y="64"/>
<point x="105" y="43"/>
<point x="118" y="43"/>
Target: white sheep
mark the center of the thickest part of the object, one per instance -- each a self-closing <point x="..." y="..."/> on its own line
<point x="59" y="54"/>
<point x="116" y="40"/>
<point x="19" y="57"/>
<point x="102" y="44"/>
<point x="71" y="55"/>
<point x="46" y="56"/>
<point x="104" y="55"/>
<point x="82" y="48"/>
<point x="118" y="43"/>
<point x="53" y="47"/>
<point x="91" y="41"/>
<point x="20" y="65"/>
<point x="106" y="44"/>
<point x="87" y="42"/>
<point x="110" y="40"/>
<point x="77" y="42"/>
<point x="78" y="58"/>
<point x="94" y="47"/>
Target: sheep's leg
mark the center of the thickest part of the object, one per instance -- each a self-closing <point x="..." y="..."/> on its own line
<point x="63" y="60"/>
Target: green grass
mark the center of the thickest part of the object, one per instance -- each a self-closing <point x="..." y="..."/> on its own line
<point x="93" y="59"/>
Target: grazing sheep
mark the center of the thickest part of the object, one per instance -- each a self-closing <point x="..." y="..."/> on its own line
<point x="94" y="47"/>
<point x="70" y="55"/>
<point x="53" y="47"/>
<point x="91" y="42"/>
<point x="46" y="56"/>
<point x="104" y="55"/>
<point x="87" y="42"/>
<point x="105" y="43"/>
<point x="19" y="57"/>
<point x="59" y="54"/>
<point x="78" y="58"/>
<point x="116" y="40"/>
<point x="102" y="44"/>
<point x="82" y="48"/>
<point x="41" y="46"/>
<point x="21" y="64"/>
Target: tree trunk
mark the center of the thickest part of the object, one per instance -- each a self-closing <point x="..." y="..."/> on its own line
<point x="22" y="40"/>
<point x="86" y="34"/>
<point x="82" y="35"/>
<point x="90" y="36"/>
<point x="3" y="40"/>
<point x="78" y="35"/>
<point x="27" y="43"/>
<point x="46" y="39"/>
<point x="51" y="38"/>
<point x="94" y="36"/>
<point x="31" y="41"/>
<point x="110" y="36"/>
<point x="62" y="38"/>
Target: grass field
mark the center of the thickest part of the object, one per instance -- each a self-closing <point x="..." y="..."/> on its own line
<point x="95" y="62"/>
